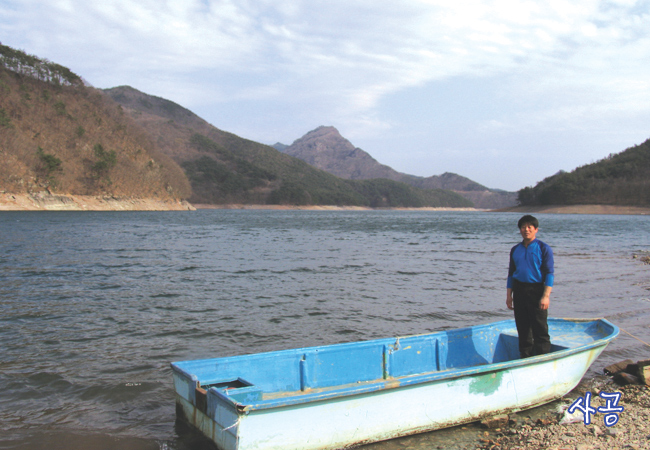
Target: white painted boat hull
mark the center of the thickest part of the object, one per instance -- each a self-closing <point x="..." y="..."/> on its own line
<point x="454" y="397"/>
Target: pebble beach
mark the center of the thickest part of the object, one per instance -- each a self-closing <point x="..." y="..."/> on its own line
<point x="557" y="430"/>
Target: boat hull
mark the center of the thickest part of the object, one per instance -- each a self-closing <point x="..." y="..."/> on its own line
<point x="397" y="408"/>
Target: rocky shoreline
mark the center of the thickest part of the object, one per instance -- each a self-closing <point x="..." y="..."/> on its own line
<point x="608" y="413"/>
<point x="558" y="430"/>
<point x="45" y="201"/>
<point x="552" y="427"/>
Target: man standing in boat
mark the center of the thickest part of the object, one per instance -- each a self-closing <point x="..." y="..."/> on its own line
<point x="530" y="281"/>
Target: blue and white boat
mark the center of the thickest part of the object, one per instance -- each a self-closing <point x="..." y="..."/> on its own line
<point x="343" y="395"/>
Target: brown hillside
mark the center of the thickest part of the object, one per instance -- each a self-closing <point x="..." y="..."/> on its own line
<point x="227" y="169"/>
<point x="75" y="140"/>
<point x="170" y="125"/>
<point x="60" y="139"/>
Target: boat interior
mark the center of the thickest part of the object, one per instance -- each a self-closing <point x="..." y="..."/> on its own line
<point x="253" y="378"/>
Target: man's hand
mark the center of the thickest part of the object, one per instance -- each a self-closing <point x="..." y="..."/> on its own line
<point x="544" y="302"/>
<point x="546" y="298"/>
<point x="509" y="300"/>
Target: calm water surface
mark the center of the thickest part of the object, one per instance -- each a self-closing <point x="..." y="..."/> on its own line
<point x="95" y="305"/>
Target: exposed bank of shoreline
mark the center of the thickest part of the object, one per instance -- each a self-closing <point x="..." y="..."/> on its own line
<point x="50" y="202"/>
<point x="573" y="209"/>
<point x="44" y="201"/>
<point x="328" y="208"/>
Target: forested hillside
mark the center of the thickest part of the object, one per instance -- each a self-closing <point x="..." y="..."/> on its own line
<point x="620" y="179"/>
<point x="60" y="136"/>
<point x="224" y="168"/>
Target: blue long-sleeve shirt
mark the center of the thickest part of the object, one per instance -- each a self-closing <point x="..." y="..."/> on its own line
<point x="532" y="264"/>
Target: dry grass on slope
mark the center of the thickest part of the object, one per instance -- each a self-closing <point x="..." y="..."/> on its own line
<point x="75" y="140"/>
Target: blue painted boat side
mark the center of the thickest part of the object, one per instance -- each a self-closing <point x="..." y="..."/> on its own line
<point x="291" y="377"/>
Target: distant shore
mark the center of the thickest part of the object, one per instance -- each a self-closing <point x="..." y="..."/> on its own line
<point x="573" y="209"/>
<point x="579" y="209"/>
<point x="326" y="208"/>
<point x="65" y="202"/>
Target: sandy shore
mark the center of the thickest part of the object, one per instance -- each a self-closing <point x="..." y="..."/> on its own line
<point x="49" y="202"/>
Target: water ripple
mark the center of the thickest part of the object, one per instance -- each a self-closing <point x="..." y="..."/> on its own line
<point x="96" y="305"/>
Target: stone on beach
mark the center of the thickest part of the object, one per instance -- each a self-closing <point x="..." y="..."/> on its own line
<point x="563" y="430"/>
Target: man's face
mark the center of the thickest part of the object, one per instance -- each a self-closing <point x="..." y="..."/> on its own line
<point x="528" y="232"/>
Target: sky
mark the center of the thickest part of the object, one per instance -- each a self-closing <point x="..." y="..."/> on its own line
<point x="505" y="93"/>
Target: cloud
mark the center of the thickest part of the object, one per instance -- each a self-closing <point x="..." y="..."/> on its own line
<point x="551" y="64"/>
<point x="369" y="47"/>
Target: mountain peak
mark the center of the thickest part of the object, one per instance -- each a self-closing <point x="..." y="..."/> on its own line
<point x="327" y="135"/>
<point x="326" y="149"/>
<point x="325" y="130"/>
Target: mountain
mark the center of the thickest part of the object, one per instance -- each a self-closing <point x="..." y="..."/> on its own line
<point x="224" y="168"/>
<point x="326" y="149"/>
<point x="60" y="137"/>
<point x="620" y="179"/>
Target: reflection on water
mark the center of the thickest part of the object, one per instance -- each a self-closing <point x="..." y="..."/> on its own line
<point x="96" y="305"/>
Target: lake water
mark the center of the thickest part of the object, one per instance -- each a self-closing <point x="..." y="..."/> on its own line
<point x="94" y="306"/>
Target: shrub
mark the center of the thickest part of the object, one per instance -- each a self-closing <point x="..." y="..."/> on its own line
<point x="59" y="107"/>
<point x="5" y="120"/>
<point x="50" y="162"/>
<point x="48" y="165"/>
<point x="107" y="161"/>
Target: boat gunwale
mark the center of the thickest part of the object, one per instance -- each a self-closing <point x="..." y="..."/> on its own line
<point x="406" y="381"/>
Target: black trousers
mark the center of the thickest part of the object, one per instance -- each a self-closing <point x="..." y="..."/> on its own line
<point x="532" y="323"/>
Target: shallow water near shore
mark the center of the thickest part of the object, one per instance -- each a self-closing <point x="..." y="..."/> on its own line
<point x="95" y="305"/>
